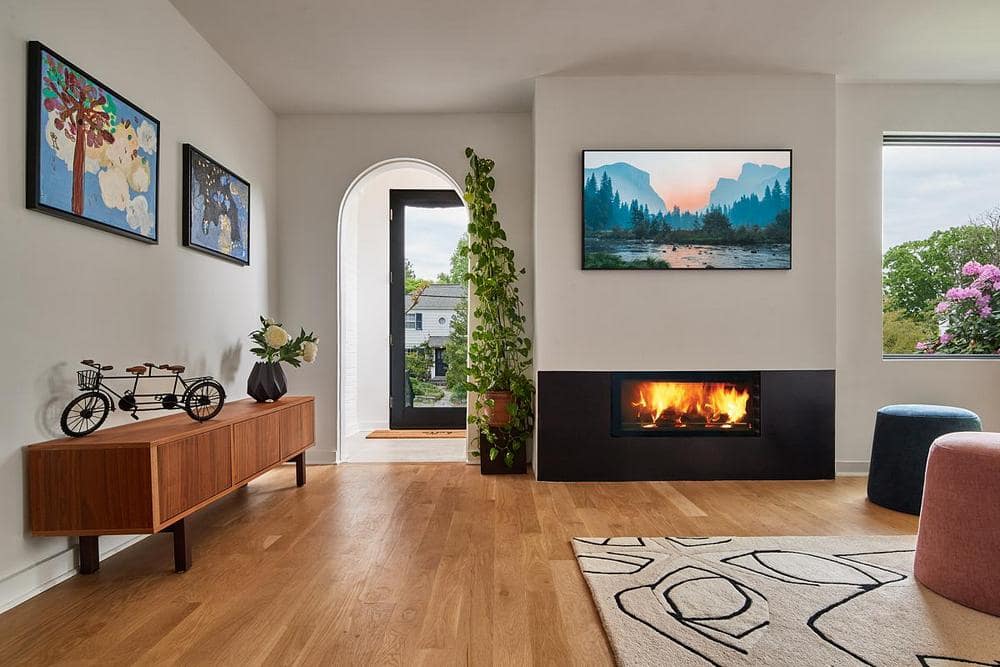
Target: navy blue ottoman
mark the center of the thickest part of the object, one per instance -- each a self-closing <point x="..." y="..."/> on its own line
<point x="903" y="437"/>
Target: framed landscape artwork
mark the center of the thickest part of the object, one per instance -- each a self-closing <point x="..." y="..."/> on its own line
<point x="687" y="209"/>
<point x="216" y="208"/>
<point x="92" y="156"/>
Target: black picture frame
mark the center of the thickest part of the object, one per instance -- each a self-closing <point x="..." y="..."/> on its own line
<point x="187" y="217"/>
<point x="33" y="162"/>
<point x="791" y="206"/>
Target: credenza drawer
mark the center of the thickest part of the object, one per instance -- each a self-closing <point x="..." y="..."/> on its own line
<point x="256" y="446"/>
<point x="192" y="470"/>
<point x="297" y="429"/>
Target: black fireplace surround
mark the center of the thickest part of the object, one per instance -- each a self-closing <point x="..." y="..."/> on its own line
<point x="685" y="425"/>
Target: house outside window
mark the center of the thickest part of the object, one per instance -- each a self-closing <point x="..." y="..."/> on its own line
<point x="940" y="245"/>
<point x="415" y="321"/>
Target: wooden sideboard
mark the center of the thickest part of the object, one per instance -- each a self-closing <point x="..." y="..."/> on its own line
<point x="148" y="476"/>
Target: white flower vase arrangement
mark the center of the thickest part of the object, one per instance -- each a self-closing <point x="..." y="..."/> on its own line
<point x="273" y="344"/>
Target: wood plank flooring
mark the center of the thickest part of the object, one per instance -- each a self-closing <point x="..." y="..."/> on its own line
<point x="397" y="564"/>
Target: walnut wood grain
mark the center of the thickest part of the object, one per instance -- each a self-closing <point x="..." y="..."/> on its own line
<point x="193" y="469"/>
<point x="255" y="446"/>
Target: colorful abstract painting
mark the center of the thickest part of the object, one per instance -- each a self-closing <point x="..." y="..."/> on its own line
<point x="92" y="154"/>
<point x="216" y="208"/>
<point x="687" y="209"/>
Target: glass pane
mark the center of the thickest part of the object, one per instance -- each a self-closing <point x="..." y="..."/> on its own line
<point x="941" y="249"/>
<point x="435" y="251"/>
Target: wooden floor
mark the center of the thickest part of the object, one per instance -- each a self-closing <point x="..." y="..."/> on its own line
<point x="397" y="564"/>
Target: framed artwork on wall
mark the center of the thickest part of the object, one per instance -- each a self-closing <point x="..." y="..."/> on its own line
<point x="92" y="155"/>
<point x="216" y="208"/>
<point x="687" y="209"/>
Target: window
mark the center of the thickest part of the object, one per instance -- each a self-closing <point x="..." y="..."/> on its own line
<point x="415" y="321"/>
<point x="442" y="320"/>
<point x="940" y="245"/>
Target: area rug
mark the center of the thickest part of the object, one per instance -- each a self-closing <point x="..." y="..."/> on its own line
<point x="777" y="601"/>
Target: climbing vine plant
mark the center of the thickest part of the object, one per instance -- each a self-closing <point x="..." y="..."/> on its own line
<point x="499" y="350"/>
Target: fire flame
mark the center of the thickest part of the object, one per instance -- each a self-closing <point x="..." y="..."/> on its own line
<point x="713" y="402"/>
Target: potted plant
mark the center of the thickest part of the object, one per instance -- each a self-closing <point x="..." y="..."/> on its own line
<point x="499" y="361"/>
<point x="273" y="345"/>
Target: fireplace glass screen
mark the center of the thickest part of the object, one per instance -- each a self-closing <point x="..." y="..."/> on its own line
<point x="702" y="403"/>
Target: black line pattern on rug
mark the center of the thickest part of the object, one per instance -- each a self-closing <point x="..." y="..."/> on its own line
<point x="604" y="556"/>
<point x="688" y="542"/>
<point x="945" y="661"/>
<point x="700" y="624"/>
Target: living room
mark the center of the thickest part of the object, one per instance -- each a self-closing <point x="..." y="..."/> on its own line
<point x="500" y="334"/>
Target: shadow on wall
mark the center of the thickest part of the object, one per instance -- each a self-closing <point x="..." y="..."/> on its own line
<point x="55" y="387"/>
<point x="230" y="363"/>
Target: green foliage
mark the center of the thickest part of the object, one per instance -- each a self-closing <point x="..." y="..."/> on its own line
<point x="459" y="264"/>
<point x="915" y="274"/>
<point x="418" y="363"/>
<point x="900" y="334"/>
<point x="607" y="260"/>
<point x="499" y="351"/>
<point x="414" y="286"/>
<point x="456" y="350"/>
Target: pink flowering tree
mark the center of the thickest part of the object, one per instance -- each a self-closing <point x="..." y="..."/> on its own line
<point x="970" y="314"/>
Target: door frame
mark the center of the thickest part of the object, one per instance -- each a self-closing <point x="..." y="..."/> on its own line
<point x="402" y="416"/>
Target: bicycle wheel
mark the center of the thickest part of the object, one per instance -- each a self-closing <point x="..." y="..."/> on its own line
<point x="204" y="400"/>
<point x="85" y="414"/>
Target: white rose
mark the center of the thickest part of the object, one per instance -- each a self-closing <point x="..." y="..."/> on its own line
<point x="268" y="321"/>
<point x="309" y="351"/>
<point x="275" y="336"/>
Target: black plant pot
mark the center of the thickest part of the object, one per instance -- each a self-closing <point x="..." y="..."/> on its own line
<point x="267" y="381"/>
<point x="498" y="467"/>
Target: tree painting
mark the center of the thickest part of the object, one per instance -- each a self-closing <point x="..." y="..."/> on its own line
<point x="79" y="113"/>
<point x="96" y="156"/>
<point x="217" y="209"/>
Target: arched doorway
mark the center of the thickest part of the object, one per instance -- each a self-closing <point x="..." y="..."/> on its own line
<point x="363" y="314"/>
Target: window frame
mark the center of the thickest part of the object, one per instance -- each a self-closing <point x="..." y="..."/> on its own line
<point x="927" y="139"/>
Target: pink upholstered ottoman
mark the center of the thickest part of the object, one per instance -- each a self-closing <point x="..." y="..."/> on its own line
<point x="958" y="542"/>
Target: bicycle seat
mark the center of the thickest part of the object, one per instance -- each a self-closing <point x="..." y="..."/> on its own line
<point x="176" y="368"/>
<point x="107" y="368"/>
<point x="149" y="364"/>
<point x="136" y="370"/>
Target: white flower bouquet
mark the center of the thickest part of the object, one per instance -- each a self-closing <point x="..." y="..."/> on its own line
<point x="273" y="343"/>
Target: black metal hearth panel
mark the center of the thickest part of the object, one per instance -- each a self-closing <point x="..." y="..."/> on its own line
<point x="604" y="426"/>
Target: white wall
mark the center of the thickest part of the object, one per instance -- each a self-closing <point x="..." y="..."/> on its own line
<point x="70" y="291"/>
<point x="319" y="157"/>
<point x="366" y="324"/>
<point x="864" y="381"/>
<point x="635" y="320"/>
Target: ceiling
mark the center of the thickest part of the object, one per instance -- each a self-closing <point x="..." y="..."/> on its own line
<point x="316" y="56"/>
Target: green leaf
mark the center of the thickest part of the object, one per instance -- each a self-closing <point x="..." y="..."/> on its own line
<point x="508" y="459"/>
<point x="493" y="453"/>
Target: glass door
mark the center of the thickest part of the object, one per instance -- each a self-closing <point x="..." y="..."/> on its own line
<point x="428" y="319"/>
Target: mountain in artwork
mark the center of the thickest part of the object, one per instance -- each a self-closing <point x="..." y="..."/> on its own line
<point x="631" y="183"/>
<point x="753" y="179"/>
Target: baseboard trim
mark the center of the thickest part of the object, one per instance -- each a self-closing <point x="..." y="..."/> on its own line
<point x="852" y="467"/>
<point x="43" y="575"/>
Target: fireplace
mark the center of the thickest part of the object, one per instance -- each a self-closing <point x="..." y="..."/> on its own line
<point x="689" y="404"/>
<point x="684" y="425"/>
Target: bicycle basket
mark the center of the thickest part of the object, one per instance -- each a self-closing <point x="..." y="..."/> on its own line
<point x="86" y="379"/>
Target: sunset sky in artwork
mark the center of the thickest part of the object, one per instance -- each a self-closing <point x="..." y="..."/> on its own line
<point x="686" y="178"/>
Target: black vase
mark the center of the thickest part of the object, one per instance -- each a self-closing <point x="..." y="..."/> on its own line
<point x="267" y="381"/>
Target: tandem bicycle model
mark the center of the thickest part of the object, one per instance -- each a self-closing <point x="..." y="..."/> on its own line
<point x="200" y="397"/>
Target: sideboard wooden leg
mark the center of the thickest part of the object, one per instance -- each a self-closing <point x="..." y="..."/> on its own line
<point x="300" y="469"/>
<point x="90" y="554"/>
<point x="182" y="547"/>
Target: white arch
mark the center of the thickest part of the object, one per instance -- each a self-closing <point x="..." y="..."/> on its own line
<point x="368" y="173"/>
